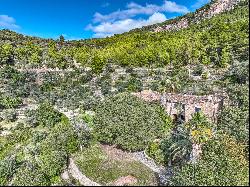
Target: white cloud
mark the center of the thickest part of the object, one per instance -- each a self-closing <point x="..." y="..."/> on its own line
<point x="104" y="5"/>
<point x="200" y="3"/>
<point x="110" y="28"/>
<point x="134" y="9"/>
<point x="8" y="22"/>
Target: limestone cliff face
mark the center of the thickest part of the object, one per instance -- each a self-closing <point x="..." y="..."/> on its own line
<point x="214" y="8"/>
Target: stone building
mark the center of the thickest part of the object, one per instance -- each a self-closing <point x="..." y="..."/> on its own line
<point x="181" y="106"/>
<point x="184" y="106"/>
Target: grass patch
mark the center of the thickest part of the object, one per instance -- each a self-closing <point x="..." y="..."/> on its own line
<point x="99" y="167"/>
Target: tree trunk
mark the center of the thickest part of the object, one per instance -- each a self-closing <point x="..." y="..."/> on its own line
<point x="195" y="154"/>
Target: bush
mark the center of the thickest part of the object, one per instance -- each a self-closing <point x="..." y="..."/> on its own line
<point x="44" y="115"/>
<point x="8" y="102"/>
<point x="155" y="152"/>
<point x="52" y="162"/>
<point x="231" y="116"/>
<point x="223" y="163"/>
<point x="198" y="70"/>
<point x="62" y="137"/>
<point x="30" y="175"/>
<point x="10" y="115"/>
<point x="177" y="146"/>
<point x="134" y="85"/>
<point x="128" y="122"/>
<point x="7" y="169"/>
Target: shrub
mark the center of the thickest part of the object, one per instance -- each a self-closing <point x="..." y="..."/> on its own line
<point x="205" y="75"/>
<point x="198" y="70"/>
<point x="231" y="116"/>
<point x="10" y="115"/>
<point x="155" y="152"/>
<point x="223" y="163"/>
<point x="134" y="85"/>
<point x="8" y="102"/>
<point x="52" y="162"/>
<point x="62" y="137"/>
<point x="177" y="146"/>
<point x="30" y="175"/>
<point x="7" y="169"/>
<point x="44" y="115"/>
<point x="128" y="122"/>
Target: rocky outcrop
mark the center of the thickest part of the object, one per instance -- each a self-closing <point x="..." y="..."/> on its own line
<point x="214" y="8"/>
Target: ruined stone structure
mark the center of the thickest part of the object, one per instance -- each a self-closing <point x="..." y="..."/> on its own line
<point x="184" y="106"/>
<point x="181" y="106"/>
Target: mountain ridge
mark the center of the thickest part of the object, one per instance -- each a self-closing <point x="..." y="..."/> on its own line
<point x="207" y="11"/>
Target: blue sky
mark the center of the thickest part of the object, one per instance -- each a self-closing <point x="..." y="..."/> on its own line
<point x="80" y="19"/>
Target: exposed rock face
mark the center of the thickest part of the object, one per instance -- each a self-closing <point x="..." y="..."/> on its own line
<point x="217" y="7"/>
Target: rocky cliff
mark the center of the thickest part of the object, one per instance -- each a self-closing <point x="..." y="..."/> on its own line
<point x="206" y="12"/>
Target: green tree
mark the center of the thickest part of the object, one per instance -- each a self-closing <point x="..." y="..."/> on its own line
<point x="223" y="163"/>
<point x="6" y="54"/>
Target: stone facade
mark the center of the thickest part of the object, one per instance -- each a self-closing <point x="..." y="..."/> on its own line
<point x="181" y="106"/>
<point x="184" y="106"/>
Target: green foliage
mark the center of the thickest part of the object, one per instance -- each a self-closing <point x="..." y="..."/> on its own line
<point x="155" y="152"/>
<point x="45" y="115"/>
<point x="200" y="128"/>
<point x="6" y="54"/>
<point x="7" y="102"/>
<point x="239" y="95"/>
<point x="235" y="122"/>
<point x="134" y="85"/>
<point x="216" y="41"/>
<point x="10" y="115"/>
<point x="198" y="70"/>
<point x="29" y="174"/>
<point x="223" y="163"/>
<point x="177" y="146"/>
<point x="29" y="53"/>
<point x="127" y="122"/>
<point x="63" y="137"/>
<point x="239" y="72"/>
<point x="52" y="162"/>
<point x="7" y="169"/>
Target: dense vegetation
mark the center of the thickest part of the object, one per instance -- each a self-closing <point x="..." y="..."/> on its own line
<point x="36" y="155"/>
<point x="129" y="122"/>
<point x="62" y="100"/>
<point x="216" y="41"/>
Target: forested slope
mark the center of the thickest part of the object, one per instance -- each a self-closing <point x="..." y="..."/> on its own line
<point x="216" y="41"/>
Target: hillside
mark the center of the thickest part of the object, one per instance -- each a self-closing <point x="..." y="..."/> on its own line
<point x="142" y="108"/>
<point x="214" y="8"/>
<point x="216" y="41"/>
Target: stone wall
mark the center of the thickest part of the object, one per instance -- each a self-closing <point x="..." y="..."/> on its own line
<point x="185" y="105"/>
